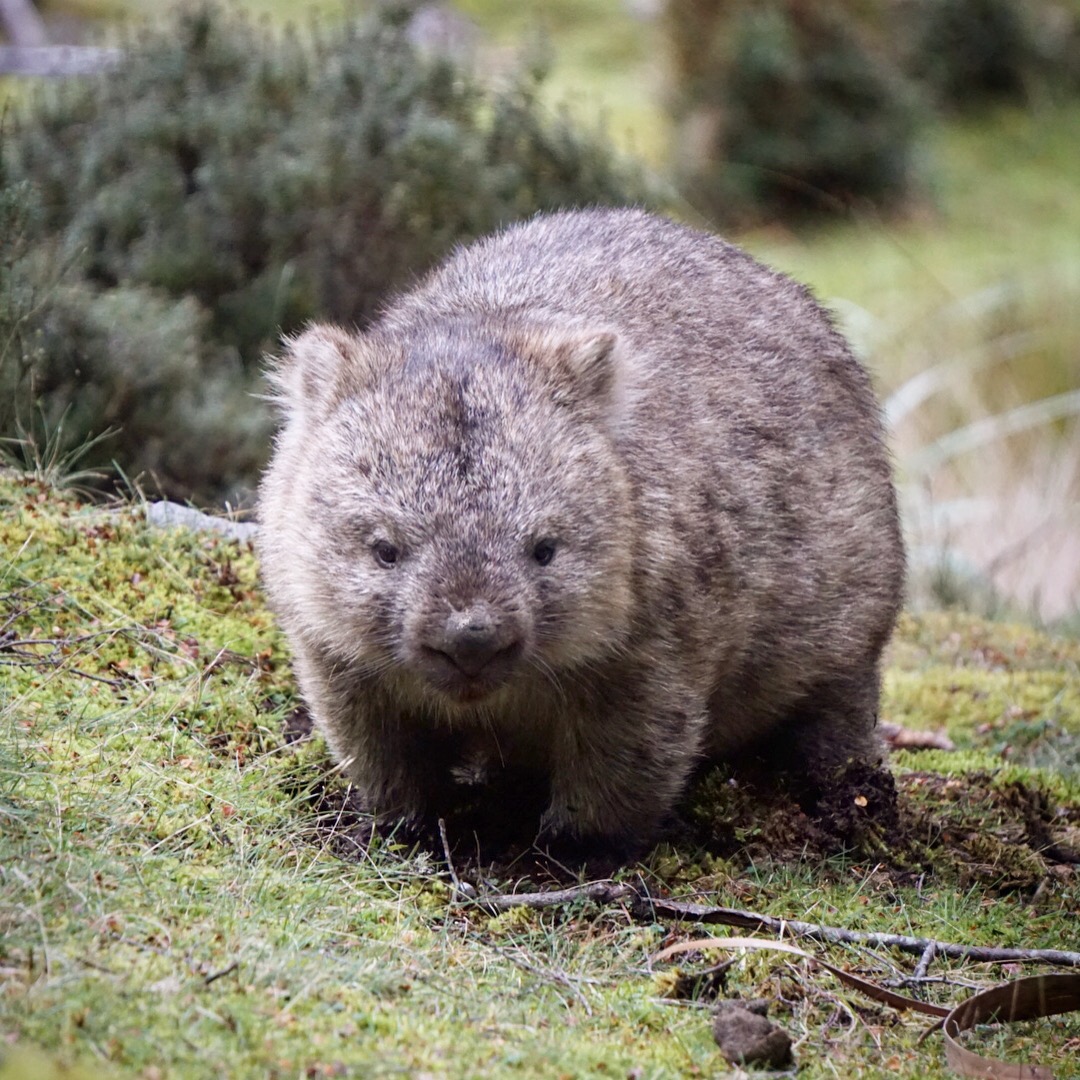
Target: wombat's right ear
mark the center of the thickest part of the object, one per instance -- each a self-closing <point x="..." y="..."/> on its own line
<point x="316" y="368"/>
<point x="584" y="366"/>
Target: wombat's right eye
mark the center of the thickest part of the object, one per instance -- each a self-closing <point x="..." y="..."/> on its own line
<point x="544" y="552"/>
<point x="385" y="553"/>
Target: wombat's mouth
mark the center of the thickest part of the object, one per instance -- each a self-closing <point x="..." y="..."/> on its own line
<point x="474" y="682"/>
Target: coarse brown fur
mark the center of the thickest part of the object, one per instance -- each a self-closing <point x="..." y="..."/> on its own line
<point x="602" y="497"/>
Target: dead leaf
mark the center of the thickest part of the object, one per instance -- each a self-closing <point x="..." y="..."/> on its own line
<point x="901" y="738"/>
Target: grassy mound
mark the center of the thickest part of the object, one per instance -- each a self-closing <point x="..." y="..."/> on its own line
<point x="184" y="890"/>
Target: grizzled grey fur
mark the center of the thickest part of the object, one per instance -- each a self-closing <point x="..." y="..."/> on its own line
<point x="603" y="496"/>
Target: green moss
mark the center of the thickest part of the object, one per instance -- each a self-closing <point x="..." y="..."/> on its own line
<point x="511" y="922"/>
<point x="1005" y="693"/>
<point x="966" y="641"/>
<point x="25" y="1063"/>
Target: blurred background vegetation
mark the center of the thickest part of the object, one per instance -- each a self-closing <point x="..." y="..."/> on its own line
<point x="916" y="161"/>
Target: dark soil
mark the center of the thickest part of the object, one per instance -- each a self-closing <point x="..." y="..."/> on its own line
<point x="747" y="1037"/>
<point x="855" y="811"/>
<point x="1003" y="836"/>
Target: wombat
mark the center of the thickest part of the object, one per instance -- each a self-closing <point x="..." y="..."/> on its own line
<point x="602" y="496"/>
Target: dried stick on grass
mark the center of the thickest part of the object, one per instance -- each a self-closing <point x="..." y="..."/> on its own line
<point x="641" y="905"/>
<point x="461" y="888"/>
<point x="552" y="975"/>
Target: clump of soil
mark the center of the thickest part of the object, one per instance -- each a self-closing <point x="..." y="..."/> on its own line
<point x="973" y="827"/>
<point x="855" y="811"/>
<point x="746" y="1036"/>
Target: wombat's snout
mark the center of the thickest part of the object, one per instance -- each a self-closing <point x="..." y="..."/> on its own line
<point x="473" y="652"/>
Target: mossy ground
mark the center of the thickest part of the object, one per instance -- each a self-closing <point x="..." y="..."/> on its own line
<point x="176" y="901"/>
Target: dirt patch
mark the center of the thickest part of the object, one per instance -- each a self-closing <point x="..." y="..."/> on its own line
<point x="1004" y="836"/>
<point x="855" y="811"/>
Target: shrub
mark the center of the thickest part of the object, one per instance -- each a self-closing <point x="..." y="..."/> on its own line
<point x="140" y="366"/>
<point x="787" y="108"/>
<point x="973" y="53"/>
<point x="17" y="295"/>
<point x="224" y="185"/>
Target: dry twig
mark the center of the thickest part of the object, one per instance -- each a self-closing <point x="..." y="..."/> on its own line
<point x="553" y="975"/>
<point x="642" y="905"/>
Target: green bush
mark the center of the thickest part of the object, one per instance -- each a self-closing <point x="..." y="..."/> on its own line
<point x="971" y="53"/>
<point x="787" y="108"/>
<point x="17" y="296"/>
<point x="142" y="367"/>
<point x="224" y="185"/>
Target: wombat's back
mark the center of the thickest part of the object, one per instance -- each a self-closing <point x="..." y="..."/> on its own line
<point x="689" y="300"/>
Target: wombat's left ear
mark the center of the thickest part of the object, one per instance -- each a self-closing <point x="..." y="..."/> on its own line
<point x="316" y="367"/>
<point x="584" y="367"/>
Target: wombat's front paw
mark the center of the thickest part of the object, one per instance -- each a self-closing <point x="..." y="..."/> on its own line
<point x="575" y="844"/>
<point x="399" y="810"/>
<point x="407" y="827"/>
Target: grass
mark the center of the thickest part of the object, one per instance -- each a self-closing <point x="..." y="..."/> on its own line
<point x="174" y="903"/>
<point x="606" y="64"/>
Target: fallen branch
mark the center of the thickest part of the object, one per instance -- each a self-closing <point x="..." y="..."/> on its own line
<point x="460" y="887"/>
<point x="641" y="905"/>
<point x="927" y="958"/>
<point x="56" y="61"/>
<point x="215" y="975"/>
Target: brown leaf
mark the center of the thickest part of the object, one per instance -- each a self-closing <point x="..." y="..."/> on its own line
<point x="1022" y="999"/>
<point x="902" y="738"/>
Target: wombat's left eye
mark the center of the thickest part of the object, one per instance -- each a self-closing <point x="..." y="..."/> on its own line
<point x="544" y="552"/>
<point x="385" y="553"/>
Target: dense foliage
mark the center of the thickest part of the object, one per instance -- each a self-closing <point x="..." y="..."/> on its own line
<point x="968" y="53"/>
<point x="224" y="185"/>
<point x="16" y="294"/>
<point x="788" y="106"/>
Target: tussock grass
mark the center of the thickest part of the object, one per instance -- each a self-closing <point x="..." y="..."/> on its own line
<point x="173" y="904"/>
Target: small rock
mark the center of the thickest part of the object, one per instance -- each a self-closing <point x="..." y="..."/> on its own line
<point x="746" y="1037"/>
<point x="175" y="515"/>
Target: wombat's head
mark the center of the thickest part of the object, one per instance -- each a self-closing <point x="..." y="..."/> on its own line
<point x="446" y="506"/>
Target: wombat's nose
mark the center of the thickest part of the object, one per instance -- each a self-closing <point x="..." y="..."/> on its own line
<point x="473" y="639"/>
